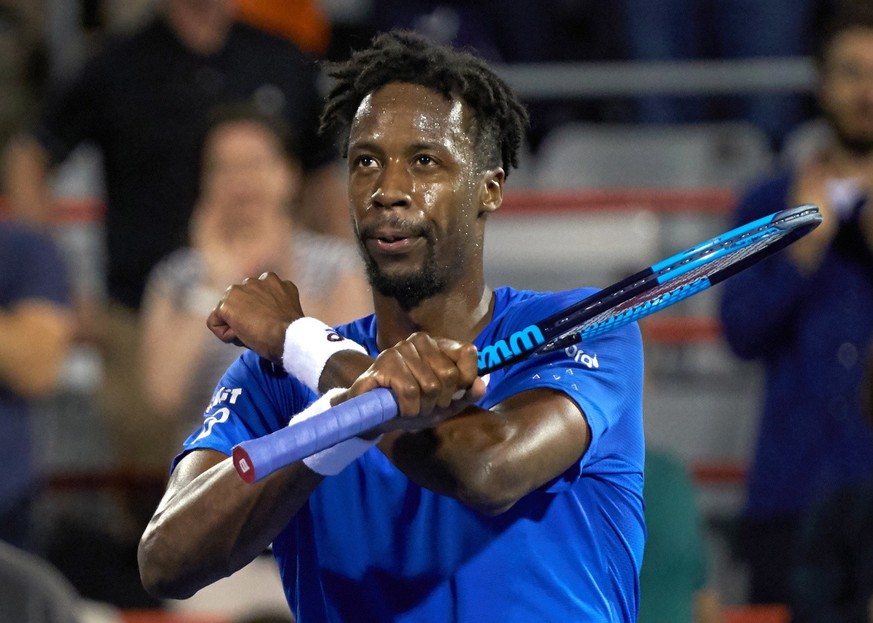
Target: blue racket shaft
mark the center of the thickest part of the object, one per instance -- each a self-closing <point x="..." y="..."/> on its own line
<point x="258" y="458"/>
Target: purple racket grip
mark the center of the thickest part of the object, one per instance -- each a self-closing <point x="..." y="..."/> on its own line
<point x="258" y="458"/>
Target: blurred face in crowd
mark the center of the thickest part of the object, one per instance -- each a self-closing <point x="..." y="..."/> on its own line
<point x="201" y="24"/>
<point x="846" y="90"/>
<point x="246" y="174"/>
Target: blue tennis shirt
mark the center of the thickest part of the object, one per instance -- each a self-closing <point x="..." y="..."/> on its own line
<point x="370" y="545"/>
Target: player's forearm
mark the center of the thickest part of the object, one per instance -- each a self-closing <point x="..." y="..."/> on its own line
<point x="459" y="462"/>
<point x="215" y="524"/>
<point x="489" y="459"/>
<point x="342" y="369"/>
<point x="25" y="172"/>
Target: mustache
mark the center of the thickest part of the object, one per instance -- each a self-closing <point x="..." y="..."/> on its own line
<point x="407" y="228"/>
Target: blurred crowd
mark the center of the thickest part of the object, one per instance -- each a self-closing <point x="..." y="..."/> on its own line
<point x="212" y="168"/>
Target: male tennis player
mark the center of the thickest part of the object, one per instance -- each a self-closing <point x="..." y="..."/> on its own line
<point x="512" y="498"/>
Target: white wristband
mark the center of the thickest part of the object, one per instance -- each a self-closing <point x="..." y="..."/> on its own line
<point x="333" y="460"/>
<point x="309" y="343"/>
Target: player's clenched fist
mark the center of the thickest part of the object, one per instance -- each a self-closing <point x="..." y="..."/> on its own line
<point x="256" y="313"/>
<point x="432" y="378"/>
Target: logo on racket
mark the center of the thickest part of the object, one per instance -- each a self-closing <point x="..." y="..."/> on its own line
<point x="519" y="342"/>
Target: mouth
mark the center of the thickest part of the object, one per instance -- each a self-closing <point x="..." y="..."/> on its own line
<point x="393" y="241"/>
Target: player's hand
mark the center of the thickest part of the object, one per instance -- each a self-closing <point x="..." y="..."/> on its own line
<point x="432" y="378"/>
<point x="256" y="313"/>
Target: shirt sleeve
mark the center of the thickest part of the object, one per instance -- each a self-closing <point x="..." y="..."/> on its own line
<point x="252" y="399"/>
<point x="603" y="376"/>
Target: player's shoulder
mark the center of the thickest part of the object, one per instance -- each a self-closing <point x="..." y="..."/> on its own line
<point x="535" y="304"/>
<point x="515" y="309"/>
<point x="251" y="365"/>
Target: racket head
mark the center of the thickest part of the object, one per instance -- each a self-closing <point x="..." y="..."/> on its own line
<point x="677" y="277"/>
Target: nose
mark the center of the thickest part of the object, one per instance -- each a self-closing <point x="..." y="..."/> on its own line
<point x="393" y="188"/>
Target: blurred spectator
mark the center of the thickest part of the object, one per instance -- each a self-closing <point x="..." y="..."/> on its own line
<point x="302" y="21"/>
<point x="806" y="315"/>
<point x="32" y="591"/>
<point x="673" y="580"/>
<point x="499" y="31"/>
<point x="22" y="69"/>
<point x="242" y="227"/>
<point x="143" y="101"/>
<point x="833" y="579"/>
<point x="35" y="332"/>
<point x="733" y="29"/>
<point x="509" y="31"/>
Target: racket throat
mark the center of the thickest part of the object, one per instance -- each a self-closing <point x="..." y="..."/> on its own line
<point x="509" y="350"/>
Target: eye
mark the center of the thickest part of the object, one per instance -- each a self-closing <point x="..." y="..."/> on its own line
<point x="365" y="161"/>
<point x="424" y="160"/>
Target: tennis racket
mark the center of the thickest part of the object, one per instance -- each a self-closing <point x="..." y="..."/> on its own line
<point x="628" y="300"/>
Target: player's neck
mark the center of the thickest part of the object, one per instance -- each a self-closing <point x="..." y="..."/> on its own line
<point x="460" y="315"/>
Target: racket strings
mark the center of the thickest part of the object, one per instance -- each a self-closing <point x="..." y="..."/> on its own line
<point x="671" y="291"/>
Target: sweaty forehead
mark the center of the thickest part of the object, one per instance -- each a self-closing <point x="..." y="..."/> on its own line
<point x="402" y="109"/>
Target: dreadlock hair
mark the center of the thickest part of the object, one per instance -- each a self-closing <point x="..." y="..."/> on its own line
<point x="404" y="56"/>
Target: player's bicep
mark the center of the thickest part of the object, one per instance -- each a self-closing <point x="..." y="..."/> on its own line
<point x="600" y="380"/>
<point x="193" y="464"/>
<point x="552" y="435"/>
<point x="188" y="468"/>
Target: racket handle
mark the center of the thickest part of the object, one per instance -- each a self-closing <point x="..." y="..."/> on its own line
<point x="258" y="458"/>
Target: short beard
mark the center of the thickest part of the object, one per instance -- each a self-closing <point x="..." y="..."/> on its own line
<point x="411" y="289"/>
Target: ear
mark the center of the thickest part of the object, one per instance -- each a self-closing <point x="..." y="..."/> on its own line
<point x="491" y="195"/>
